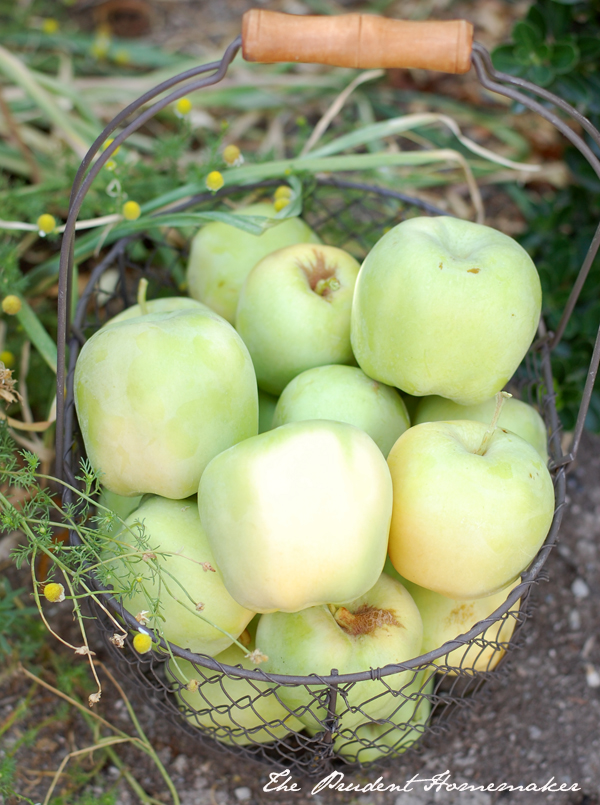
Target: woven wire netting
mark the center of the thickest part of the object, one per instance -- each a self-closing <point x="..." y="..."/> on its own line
<point x="307" y="725"/>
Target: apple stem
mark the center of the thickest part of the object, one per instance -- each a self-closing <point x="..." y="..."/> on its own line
<point x="141" y="295"/>
<point x="500" y="397"/>
<point x="325" y="286"/>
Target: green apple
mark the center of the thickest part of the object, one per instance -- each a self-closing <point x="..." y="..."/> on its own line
<point x="445" y="306"/>
<point x="516" y="415"/>
<point x="118" y="504"/>
<point x="159" y="395"/>
<point x="472" y="507"/>
<point x="445" y="618"/>
<point x="190" y="585"/>
<point x="294" y="312"/>
<point x="395" y="734"/>
<point x="381" y="627"/>
<point x="298" y="516"/>
<point x="233" y="711"/>
<point x="345" y="394"/>
<point x="222" y="255"/>
<point x="165" y="304"/>
<point x="267" y="404"/>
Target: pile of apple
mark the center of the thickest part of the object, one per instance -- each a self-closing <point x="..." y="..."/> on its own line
<point x="279" y="538"/>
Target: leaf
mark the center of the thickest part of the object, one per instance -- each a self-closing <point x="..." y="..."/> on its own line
<point x="559" y="18"/>
<point x="564" y="56"/>
<point x="536" y="18"/>
<point x="504" y="59"/>
<point x="527" y="35"/>
<point x="541" y="75"/>
<point x="37" y="334"/>
<point x="574" y="88"/>
<point x="524" y="55"/>
<point x="589" y="48"/>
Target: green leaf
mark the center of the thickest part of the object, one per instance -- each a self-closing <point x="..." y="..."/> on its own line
<point x="560" y="19"/>
<point x="524" y="55"/>
<point x="564" y="56"/>
<point x="536" y="18"/>
<point x="589" y="48"/>
<point x="527" y="35"/>
<point x="574" y="88"/>
<point x="505" y="60"/>
<point x="37" y="334"/>
<point x="541" y="75"/>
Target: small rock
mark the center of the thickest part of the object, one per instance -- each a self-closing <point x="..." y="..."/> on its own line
<point x="180" y="764"/>
<point x="243" y="794"/>
<point x="535" y="733"/>
<point x="592" y="677"/>
<point x="580" y="589"/>
<point x="574" y="620"/>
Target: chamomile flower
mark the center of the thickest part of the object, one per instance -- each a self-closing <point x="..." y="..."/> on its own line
<point x="131" y="210"/>
<point x="7" y="358"/>
<point x="232" y="155"/>
<point x="214" y="181"/>
<point x="46" y="224"/>
<point x="11" y="305"/>
<point x="142" y="643"/>
<point x="183" y="107"/>
<point x="54" y="592"/>
<point x="50" y="25"/>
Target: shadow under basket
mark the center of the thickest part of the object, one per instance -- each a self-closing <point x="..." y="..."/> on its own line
<point x="240" y="709"/>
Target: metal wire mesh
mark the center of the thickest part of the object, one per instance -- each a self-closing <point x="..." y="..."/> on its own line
<point x="313" y="724"/>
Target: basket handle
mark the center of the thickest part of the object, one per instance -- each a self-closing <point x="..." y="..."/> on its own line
<point x="356" y="40"/>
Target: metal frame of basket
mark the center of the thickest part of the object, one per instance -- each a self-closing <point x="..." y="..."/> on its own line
<point x="410" y="684"/>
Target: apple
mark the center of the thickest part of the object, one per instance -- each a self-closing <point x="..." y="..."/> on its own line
<point x="233" y="711"/>
<point x="472" y="506"/>
<point x="444" y="619"/>
<point x="222" y="255"/>
<point x="294" y="312"/>
<point x="517" y="416"/>
<point x="266" y="410"/>
<point x="298" y="516"/>
<point x="189" y="586"/>
<point x="118" y="504"/>
<point x="164" y="304"/>
<point x="380" y="627"/>
<point x="445" y="306"/>
<point x="395" y="734"/>
<point x="345" y="394"/>
<point x="159" y="395"/>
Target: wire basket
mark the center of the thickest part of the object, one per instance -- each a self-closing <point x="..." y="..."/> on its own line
<point x="239" y="709"/>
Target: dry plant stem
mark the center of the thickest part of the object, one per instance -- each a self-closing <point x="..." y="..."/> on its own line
<point x="336" y="106"/>
<point x="32" y="427"/>
<point x="23" y="372"/>
<point x="500" y="397"/>
<point x="36" y="177"/>
<point x="130" y="779"/>
<point x="36" y="596"/>
<point x="138" y="727"/>
<point x="142" y="741"/>
<point x="76" y="704"/>
<point x="86" y="751"/>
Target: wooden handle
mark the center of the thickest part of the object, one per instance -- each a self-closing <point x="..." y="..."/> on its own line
<point x="356" y="40"/>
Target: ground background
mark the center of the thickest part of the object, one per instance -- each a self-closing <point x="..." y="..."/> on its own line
<point x="542" y="722"/>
